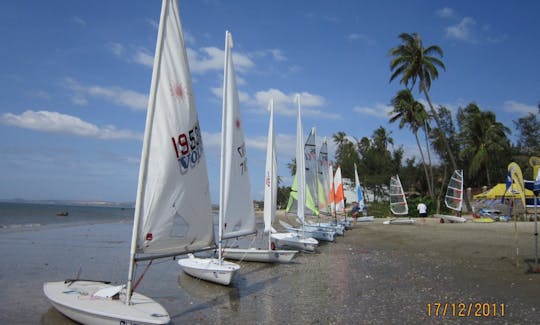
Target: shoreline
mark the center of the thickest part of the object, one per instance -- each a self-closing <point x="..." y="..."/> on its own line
<point x="375" y="274"/>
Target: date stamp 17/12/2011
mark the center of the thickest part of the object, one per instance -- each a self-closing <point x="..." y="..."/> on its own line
<point x="471" y="309"/>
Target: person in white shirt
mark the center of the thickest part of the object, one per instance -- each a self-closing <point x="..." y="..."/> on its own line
<point x="422" y="210"/>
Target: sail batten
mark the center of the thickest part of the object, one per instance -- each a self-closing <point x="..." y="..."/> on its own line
<point x="454" y="193"/>
<point x="398" y="202"/>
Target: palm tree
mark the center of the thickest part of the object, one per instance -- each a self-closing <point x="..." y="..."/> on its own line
<point x="412" y="113"/>
<point x="483" y="139"/>
<point x="415" y="63"/>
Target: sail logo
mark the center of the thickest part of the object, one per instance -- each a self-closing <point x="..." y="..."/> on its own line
<point x="178" y="91"/>
<point x="188" y="149"/>
<point x="243" y="159"/>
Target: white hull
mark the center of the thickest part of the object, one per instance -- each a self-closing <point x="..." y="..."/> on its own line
<point x="313" y="232"/>
<point x="259" y="255"/>
<point x="324" y="226"/>
<point x="209" y="269"/>
<point x="77" y="302"/>
<point x="365" y="219"/>
<point x="448" y="218"/>
<point x="400" y="222"/>
<point x="295" y="241"/>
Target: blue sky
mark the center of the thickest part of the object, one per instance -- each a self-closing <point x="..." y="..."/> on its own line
<point x="75" y="76"/>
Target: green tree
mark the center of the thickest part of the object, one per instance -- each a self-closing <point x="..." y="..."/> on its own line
<point x="484" y="140"/>
<point x="410" y="112"/>
<point x="413" y="63"/>
<point x="528" y="129"/>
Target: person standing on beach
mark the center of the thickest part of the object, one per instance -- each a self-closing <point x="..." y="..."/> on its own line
<point x="355" y="211"/>
<point x="422" y="210"/>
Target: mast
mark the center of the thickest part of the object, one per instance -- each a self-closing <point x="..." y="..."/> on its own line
<point x="228" y="46"/>
<point x="143" y="170"/>
<point x="300" y="167"/>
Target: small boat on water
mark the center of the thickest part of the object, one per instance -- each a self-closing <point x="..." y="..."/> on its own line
<point x="62" y="214"/>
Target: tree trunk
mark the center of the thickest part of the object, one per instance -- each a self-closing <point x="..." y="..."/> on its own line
<point x="430" y="189"/>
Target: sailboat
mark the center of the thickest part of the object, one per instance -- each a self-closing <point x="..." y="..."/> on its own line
<point x="236" y="215"/>
<point x="297" y="239"/>
<point x="360" y="197"/>
<point x="398" y="203"/>
<point x="270" y="201"/>
<point x="173" y="212"/>
<point x="454" y="198"/>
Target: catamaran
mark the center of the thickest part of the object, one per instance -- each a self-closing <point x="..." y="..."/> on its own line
<point x="398" y="203"/>
<point x="298" y="239"/>
<point x="173" y="211"/>
<point x="271" y="254"/>
<point x="454" y="198"/>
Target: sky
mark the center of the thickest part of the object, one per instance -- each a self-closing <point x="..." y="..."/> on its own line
<point x="75" y="77"/>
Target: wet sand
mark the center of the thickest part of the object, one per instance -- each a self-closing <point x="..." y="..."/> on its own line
<point x="375" y="274"/>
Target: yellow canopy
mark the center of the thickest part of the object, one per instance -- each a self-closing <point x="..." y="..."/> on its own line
<point x="498" y="190"/>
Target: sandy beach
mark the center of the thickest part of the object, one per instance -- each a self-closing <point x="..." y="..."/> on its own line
<point x="375" y="274"/>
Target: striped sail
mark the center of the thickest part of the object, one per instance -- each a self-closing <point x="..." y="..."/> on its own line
<point x="454" y="193"/>
<point x="398" y="202"/>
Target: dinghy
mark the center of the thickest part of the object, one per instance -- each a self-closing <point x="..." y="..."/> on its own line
<point x="173" y="210"/>
<point x="271" y="254"/>
<point x="236" y="215"/>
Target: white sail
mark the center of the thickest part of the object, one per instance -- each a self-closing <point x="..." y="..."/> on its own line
<point x="323" y="178"/>
<point x="270" y="178"/>
<point x="173" y="211"/>
<point x="454" y="192"/>
<point x="332" y="190"/>
<point x="358" y="188"/>
<point x="300" y="166"/>
<point x="236" y="205"/>
<point x="398" y="202"/>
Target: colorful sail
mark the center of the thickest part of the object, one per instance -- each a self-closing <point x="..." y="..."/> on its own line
<point x="312" y="187"/>
<point x="173" y="211"/>
<point x="339" y="195"/>
<point x="517" y="178"/>
<point x="398" y="202"/>
<point x="454" y="193"/>
<point x="236" y="205"/>
<point x="358" y="188"/>
<point x="270" y="176"/>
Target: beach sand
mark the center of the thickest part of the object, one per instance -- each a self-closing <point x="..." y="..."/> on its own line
<point x="375" y="274"/>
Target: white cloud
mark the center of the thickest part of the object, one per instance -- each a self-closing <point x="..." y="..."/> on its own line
<point x="379" y="110"/>
<point x="54" y="122"/>
<point x="78" y="20"/>
<point x="520" y="108"/>
<point x="119" y="96"/>
<point x="462" y="31"/>
<point x="117" y="48"/>
<point x="211" y="58"/>
<point x="445" y="12"/>
<point x="144" y="57"/>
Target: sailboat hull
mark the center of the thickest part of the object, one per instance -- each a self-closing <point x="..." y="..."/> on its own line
<point x="400" y="222"/>
<point x="209" y="269"/>
<point x="294" y="241"/>
<point x="312" y="232"/>
<point x="259" y="255"/>
<point x="448" y="218"/>
<point x="76" y="300"/>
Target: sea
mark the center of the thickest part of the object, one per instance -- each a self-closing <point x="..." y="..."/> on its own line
<point x="25" y="216"/>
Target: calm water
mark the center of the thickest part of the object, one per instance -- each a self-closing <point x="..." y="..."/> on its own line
<point x="25" y="215"/>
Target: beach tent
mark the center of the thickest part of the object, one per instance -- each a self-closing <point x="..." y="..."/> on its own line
<point x="497" y="192"/>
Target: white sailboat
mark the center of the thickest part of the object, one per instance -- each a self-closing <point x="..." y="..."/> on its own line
<point x="298" y="240"/>
<point x="360" y="197"/>
<point x="398" y="203"/>
<point x="270" y="202"/>
<point x="454" y="198"/>
<point x="172" y="212"/>
<point x="236" y="215"/>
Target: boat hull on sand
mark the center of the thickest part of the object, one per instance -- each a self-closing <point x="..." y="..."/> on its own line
<point x="209" y="269"/>
<point x="259" y="255"/>
<point x="447" y="218"/>
<point x="295" y="241"/>
<point x="77" y="300"/>
<point x="400" y="222"/>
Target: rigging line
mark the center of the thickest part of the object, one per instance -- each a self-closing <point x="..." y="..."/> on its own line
<point x="141" y="276"/>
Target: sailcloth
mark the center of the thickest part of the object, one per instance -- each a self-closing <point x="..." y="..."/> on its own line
<point x="339" y="196"/>
<point x="324" y="189"/>
<point x="454" y="193"/>
<point x="173" y="199"/>
<point x="236" y="205"/>
<point x="332" y="191"/>
<point x="398" y="202"/>
<point x="359" y="194"/>
<point x="300" y="165"/>
<point x="270" y="178"/>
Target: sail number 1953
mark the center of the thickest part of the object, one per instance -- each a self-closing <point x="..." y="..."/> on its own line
<point x="188" y="148"/>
